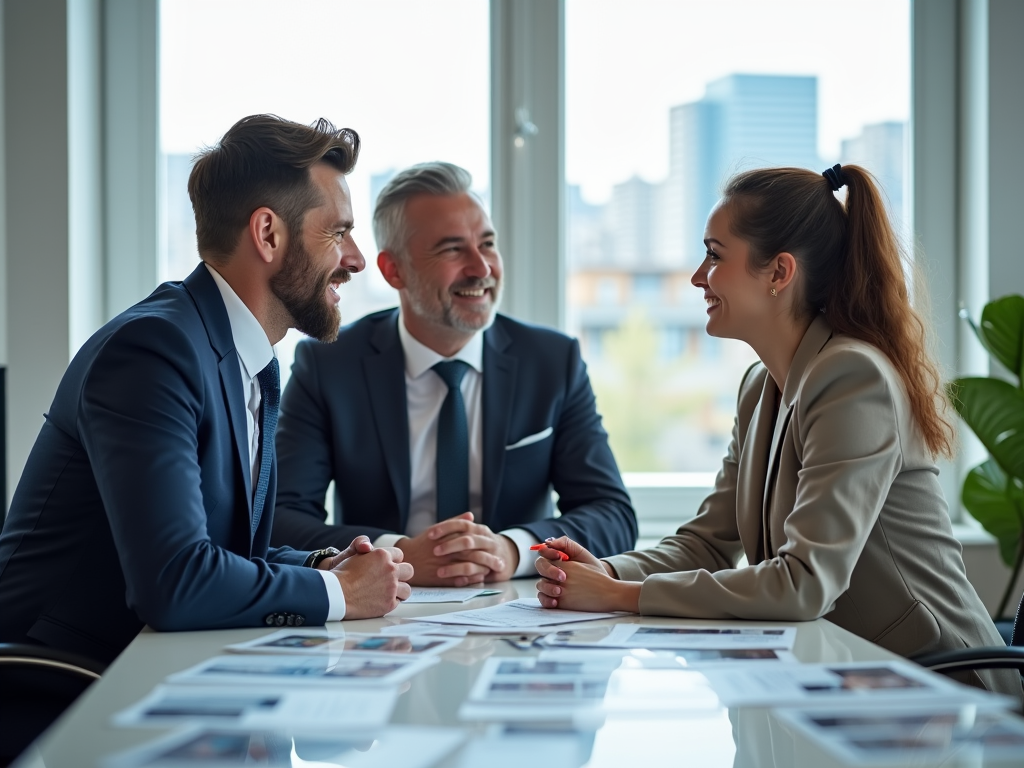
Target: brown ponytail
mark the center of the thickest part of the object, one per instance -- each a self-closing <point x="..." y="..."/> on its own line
<point x="852" y="264"/>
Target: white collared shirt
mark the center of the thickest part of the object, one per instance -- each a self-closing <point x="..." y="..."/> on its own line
<point x="425" y="393"/>
<point x="254" y="353"/>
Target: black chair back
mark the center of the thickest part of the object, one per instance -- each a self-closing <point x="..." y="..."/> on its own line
<point x="36" y="685"/>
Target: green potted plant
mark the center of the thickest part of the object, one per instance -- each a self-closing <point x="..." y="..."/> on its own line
<point x="994" y="410"/>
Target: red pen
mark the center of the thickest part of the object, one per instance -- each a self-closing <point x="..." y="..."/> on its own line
<point x="561" y="554"/>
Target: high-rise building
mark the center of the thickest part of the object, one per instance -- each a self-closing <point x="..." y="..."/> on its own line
<point x="743" y="122"/>
<point x="881" y="149"/>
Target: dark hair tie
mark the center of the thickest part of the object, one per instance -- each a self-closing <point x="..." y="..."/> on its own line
<point x="835" y="176"/>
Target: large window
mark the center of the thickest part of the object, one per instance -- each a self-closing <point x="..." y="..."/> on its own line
<point x="411" y="77"/>
<point x="663" y="102"/>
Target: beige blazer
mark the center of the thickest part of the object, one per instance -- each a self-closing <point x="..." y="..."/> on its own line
<point x="837" y="507"/>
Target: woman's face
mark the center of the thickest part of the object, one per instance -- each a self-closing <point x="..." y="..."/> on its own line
<point x="739" y="302"/>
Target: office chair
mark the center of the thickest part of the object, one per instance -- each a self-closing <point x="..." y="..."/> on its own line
<point x="991" y="657"/>
<point x="36" y="685"/>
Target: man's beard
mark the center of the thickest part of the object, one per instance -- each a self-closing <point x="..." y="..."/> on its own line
<point x="442" y="310"/>
<point x="303" y="292"/>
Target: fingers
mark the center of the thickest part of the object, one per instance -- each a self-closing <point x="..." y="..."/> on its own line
<point x="547" y="602"/>
<point x="550" y="553"/>
<point x="397" y="555"/>
<point x="361" y="545"/>
<point x="464" y="568"/>
<point x="459" y="523"/>
<point x="549" y="571"/>
<point x="487" y="559"/>
<point x="466" y="542"/>
<point x="549" y="588"/>
<point x="403" y="571"/>
<point x="403" y="592"/>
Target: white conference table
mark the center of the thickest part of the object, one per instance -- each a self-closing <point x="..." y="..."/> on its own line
<point x="722" y="739"/>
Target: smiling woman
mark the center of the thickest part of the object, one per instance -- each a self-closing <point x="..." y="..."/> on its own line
<point x="829" y="487"/>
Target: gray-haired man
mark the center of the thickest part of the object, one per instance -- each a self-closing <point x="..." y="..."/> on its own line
<point x="444" y="425"/>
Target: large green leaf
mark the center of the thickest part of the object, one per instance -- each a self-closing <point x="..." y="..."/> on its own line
<point x="994" y="410"/>
<point x="997" y="505"/>
<point x="1002" y="332"/>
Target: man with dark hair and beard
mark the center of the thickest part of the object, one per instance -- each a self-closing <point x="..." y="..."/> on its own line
<point x="148" y="497"/>
<point x="445" y="426"/>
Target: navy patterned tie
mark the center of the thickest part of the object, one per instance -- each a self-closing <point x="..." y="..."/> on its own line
<point x="452" y="444"/>
<point x="270" y="402"/>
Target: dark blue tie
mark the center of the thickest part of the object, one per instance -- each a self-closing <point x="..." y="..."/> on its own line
<point x="270" y="402"/>
<point x="452" y="444"/>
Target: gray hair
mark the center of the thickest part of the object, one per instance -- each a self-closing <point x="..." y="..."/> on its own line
<point x="434" y="178"/>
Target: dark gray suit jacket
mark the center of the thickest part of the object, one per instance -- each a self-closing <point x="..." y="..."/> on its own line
<point x="344" y="418"/>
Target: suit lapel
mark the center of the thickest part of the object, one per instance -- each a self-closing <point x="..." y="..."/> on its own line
<point x="210" y="304"/>
<point x="498" y="396"/>
<point x="754" y="460"/>
<point x="385" y="379"/>
<point x="817" y="335"/>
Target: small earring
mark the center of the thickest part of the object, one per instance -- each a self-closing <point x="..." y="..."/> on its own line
<point x="774" y="293"/>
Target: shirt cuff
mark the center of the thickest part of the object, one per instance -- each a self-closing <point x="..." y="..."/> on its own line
<point x="523" y="540"/>
<point x="335" y="596"/>
<point x="387" y="540"/>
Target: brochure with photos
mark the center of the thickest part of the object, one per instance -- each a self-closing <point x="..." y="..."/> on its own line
<point x="918" y="735"/>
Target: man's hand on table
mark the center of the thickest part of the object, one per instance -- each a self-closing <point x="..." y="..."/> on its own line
<point x="374" y="580"/>
<point x="458" y="552"/>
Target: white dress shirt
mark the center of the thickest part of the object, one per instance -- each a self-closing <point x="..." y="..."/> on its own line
<point x="254" y="354"/>
<point x="425" y="392"/>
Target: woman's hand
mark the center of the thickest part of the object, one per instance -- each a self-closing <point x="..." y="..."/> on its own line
<point x="583" y="583"/>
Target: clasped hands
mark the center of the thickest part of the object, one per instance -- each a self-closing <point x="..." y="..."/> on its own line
<point x="374" y="580"/>
<point x="582" y="583"/>
<point x="458" y="552"/>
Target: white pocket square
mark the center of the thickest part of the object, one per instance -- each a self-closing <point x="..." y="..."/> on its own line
<point x="530" y="439"/>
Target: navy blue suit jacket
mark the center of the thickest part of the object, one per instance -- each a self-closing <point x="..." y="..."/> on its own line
<point x="344" y="418"/>
<point x="134" y="506"/>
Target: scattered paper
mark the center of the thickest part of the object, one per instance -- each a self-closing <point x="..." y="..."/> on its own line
<point x="674" y="659"/>
<point x="302" y="670"/>
<point x="919" y="735"/>
<point x="406" y="746"/>
<point x="512" y="746"/>
<point x="318" y="642"/>
<point x="515" y="616"/>
<point x="672" y="638"/>
<point x="251" y="707"/>
<point x="441" y="595"/>
<point x="874" y="683"/>
<point x="582" y="689"/>
<point x="420" y="628"/>
<point x="529" y="680"/>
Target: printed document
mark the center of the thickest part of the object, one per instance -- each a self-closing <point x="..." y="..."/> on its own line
<point x="252" y="707"/>
<point x="671" y="638"/>
<point x="515" y="616"/>
<point x="441" y="595"/>
<point x="302" y="671"/>
<point x="405" y="746"/>
<point x="875" y="683"/>
<point x="319" y="642"/>
<point x="920" y="734"/>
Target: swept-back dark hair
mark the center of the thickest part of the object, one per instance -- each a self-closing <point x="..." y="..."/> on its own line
<point x="263" y="160"/>
<point x="853" y="268"/>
